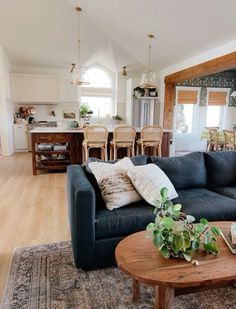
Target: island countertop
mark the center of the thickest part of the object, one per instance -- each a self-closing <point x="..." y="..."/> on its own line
<point x="110" y="129"/>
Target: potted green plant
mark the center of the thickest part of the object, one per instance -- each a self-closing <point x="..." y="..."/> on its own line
<point x="117" y="117"/>
<point x="174" y="233"/>
<point x="84" y="110"/>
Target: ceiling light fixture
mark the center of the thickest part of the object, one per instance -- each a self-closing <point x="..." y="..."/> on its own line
<point x="148" y="79"/>
<point x="124" y="73"/>
<point x="77" y="69"/>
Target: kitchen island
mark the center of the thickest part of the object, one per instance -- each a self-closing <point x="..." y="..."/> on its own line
<point x="55" y="148"/>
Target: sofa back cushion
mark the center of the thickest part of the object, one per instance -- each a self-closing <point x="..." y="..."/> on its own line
<point x="221" y="168"/>
<point x="184" y="172"/>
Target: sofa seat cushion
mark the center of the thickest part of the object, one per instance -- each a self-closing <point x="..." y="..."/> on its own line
<point x="203" y="203"/>
<point x="123" y="221"/>
<point x="226" y="191"/>
<point x="221" y="168"/>
<point x="187" y="171"/>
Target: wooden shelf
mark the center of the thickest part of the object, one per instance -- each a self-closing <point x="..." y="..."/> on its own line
<point x="47" y="152"/>
<point x="51" y="163"/>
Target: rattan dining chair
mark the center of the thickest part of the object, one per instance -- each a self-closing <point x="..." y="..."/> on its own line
<point x="212" y="142"/>
<point x="123" y="137"/>
<point x="151" y="137"/>
<point x="229" y="143"/>
<point x="95" y="136"/>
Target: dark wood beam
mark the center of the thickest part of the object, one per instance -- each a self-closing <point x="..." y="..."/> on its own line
<point x="216" y="65"/>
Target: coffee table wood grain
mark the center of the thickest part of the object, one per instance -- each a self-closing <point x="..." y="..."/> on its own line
<point x="137" y="257"/>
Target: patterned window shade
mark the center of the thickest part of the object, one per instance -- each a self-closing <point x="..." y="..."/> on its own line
<point x="217" y="98"/>
<point x="187" y="97"/>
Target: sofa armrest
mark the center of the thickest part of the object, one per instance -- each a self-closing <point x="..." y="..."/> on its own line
<point x="82" y="208"/>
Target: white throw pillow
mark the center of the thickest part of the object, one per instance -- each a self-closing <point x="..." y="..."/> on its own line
<point x="116" y="188"/>
<point x="148" y="180"/>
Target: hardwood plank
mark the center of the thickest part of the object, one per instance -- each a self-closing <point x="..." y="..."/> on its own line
<point x="33" y="209"/>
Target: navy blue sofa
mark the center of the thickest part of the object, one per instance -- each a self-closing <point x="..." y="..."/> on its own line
<point x="205" y="183"/>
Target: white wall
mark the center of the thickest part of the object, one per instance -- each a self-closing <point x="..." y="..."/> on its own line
<point x="6" y="106"/>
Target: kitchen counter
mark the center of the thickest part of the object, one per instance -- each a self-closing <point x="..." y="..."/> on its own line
<point x="75" y="130"/>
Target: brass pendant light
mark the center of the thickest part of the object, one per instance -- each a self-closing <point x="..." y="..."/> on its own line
<point x="148" y="79"/>
<point x="77" y="69"/>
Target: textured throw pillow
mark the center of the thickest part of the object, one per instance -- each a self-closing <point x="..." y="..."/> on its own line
<point x="148" y="181"/>
<point x="116" y="187"/>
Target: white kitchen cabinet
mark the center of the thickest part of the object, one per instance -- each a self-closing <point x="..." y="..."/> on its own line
<point x="34" y="88"/>
<point x="20" y="137"/>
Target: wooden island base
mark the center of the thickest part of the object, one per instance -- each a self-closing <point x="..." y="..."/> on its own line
<point x="72" y="139"/>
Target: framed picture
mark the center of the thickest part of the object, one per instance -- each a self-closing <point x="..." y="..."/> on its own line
<point x="69" y="114"/>
<point x="153" y="93"/>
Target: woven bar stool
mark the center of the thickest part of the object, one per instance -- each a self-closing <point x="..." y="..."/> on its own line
<point x="123" y="137"/>
<point x="151" y="136"/>
<point x="95" y="137"/>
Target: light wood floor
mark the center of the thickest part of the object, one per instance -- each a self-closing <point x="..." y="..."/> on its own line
<point x="33" y="209"/>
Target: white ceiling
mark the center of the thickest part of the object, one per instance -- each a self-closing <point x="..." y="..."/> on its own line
<point x="43" y="32"/>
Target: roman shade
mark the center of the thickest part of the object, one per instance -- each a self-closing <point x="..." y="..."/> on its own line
<point x="187" y="97"/>
<point x="217" y="98"/>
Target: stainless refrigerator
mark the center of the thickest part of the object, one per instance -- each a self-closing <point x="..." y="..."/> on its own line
<point x="146" y="111"/>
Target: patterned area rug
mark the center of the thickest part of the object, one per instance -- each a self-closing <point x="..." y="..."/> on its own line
<point x="44" y="276"/>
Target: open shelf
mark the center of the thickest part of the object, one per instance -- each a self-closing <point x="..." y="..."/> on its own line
<point x="43" y="159"/>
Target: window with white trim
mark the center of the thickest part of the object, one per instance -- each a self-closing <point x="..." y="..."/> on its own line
<point x="186" y="102"/>
<point x="217" y="100"/>
<point x="98" y="94"/>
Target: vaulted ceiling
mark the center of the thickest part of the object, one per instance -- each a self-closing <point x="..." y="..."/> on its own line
<point x="43" y="32"/>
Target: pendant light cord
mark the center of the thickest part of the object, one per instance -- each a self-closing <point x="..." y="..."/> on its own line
<point x="150" y="36"/>
<point x="78" y="9"/>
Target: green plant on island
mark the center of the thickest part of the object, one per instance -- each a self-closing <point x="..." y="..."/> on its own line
<point x="117" y="117"/>
<point x="84" y="110"/>
<point x="234" y="127"/>
<point x="174" y="233"/>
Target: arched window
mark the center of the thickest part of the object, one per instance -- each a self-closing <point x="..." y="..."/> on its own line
<point x="98" y="94"/>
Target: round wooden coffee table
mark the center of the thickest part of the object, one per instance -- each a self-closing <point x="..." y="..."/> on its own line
<point x="137" y="257"/>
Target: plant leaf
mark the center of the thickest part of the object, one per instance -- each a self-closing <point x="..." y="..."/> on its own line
<point x="157" y="239"/>
<point x="195" y="245"/>
<point x="178" y="242"/>
<point x="199" y="228"/>
<point x="164" y="193"/>
<point x="215" y="230"/>
<point x="167" y="222"/>
<point x="187" y="257"/>
<point x="165" y="252"/>
<point x="203" y="221"/>
<point x="177" y="207"/>
<point x="190" y="218"/>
